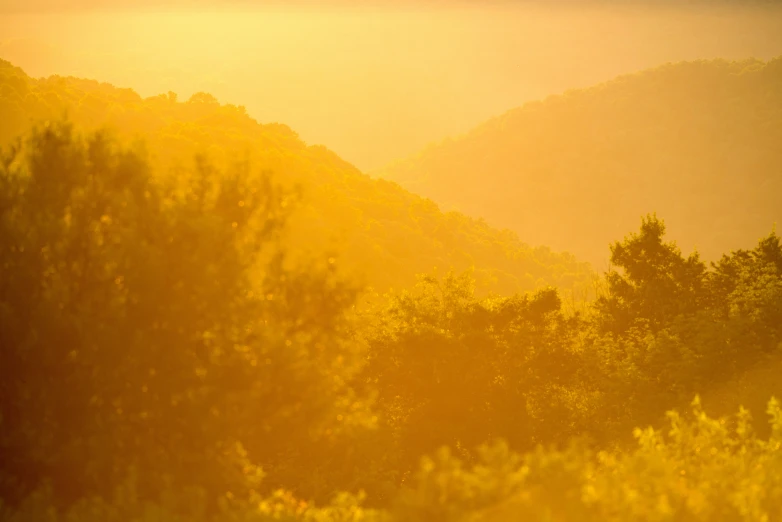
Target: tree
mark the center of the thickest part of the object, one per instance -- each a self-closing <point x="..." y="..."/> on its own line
<point x="655" y="285"/>
<point x="453" y="369"/>
<point x="152" y="323"/>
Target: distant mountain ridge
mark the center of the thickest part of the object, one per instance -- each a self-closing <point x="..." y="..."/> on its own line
<point x="700" y="143"/>
<point x="373" y="229"/>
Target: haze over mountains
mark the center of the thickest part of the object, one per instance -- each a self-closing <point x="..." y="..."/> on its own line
<point x="375" y="81"/>
<point x="697" y="142"/>
<point x="208" y="318"/>
<point x="384" y="235"/>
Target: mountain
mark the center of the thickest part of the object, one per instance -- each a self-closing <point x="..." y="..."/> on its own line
<point x="375" y="230"/>
<point x="696" y="142"/>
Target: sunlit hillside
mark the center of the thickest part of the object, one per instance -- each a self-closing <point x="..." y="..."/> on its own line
<point x="697" y="142"/>
<point x="208" y="317"/>
<point x="379" y="233"/>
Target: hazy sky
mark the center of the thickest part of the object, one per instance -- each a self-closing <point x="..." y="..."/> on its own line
<point x="373" y="83"/>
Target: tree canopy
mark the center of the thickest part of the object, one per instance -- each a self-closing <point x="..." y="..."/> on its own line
<point x="168" y="353"/>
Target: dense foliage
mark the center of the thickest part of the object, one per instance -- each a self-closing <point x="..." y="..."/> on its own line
<point x="452" y="369"/>
<point x="135" y="325"/>
<point x="697" y="142"/>
<point x="164" y="358"/>
<point x="167" y="355"/>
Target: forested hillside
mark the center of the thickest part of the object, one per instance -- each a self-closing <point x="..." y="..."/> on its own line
<point x="697" y="142"/>
<point x="170" y="352"/>
<point x="161" y="361"/>
<point x="382" y="233"/>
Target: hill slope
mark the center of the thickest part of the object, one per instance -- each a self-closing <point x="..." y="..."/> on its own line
<point x="381" y="232"/>
<point x="697" y="142"/>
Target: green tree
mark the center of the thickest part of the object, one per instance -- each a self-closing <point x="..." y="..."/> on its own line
<point x="655" y="285"/>
<point x="152" y="323"/>
<point x="453" y="369"/>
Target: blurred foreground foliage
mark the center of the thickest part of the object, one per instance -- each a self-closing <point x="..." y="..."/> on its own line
<point x="699" y="469"/>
